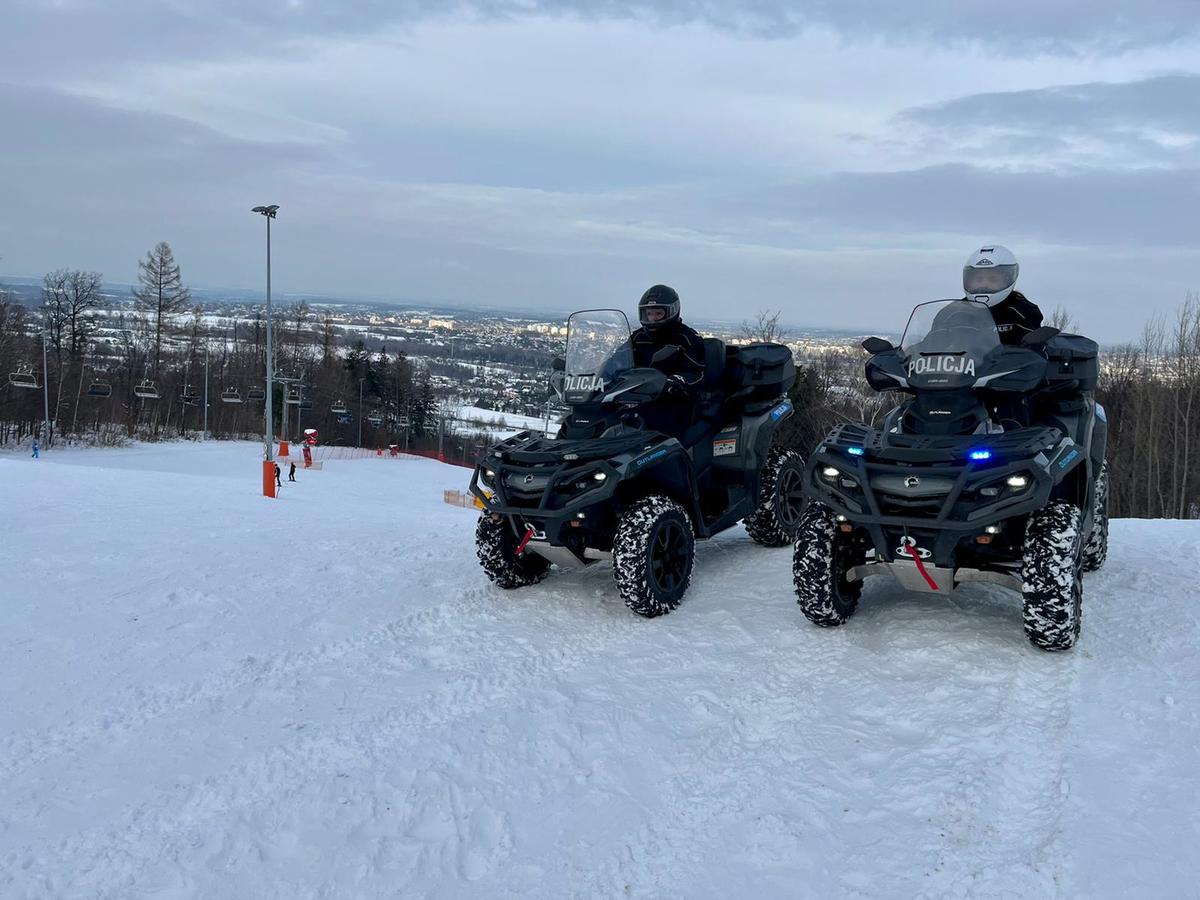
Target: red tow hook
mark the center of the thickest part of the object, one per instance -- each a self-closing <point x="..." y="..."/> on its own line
<point x="916" y="557"/>
<point x="529" y="534"/>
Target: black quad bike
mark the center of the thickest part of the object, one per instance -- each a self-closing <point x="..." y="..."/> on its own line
<point x="991" y="470"/>
<point x="610" y="486"/>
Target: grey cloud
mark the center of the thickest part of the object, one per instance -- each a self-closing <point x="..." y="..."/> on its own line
<point x="90" y="33"/>
<point x="90" y="186"/>
<point x="1150" y="120"/>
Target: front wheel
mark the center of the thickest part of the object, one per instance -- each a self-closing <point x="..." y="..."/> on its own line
<point x="1052" y="573"/>
<point x="823" y="557"/>
<point x="780" y="499"/>
<point x="653" y="553"/>
<point x="496" y="546"/>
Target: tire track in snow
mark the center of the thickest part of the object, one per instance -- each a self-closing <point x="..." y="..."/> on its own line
<point x="994" y="812"/>
<point x="489" y="677"/>
<point x="136" y="707"/>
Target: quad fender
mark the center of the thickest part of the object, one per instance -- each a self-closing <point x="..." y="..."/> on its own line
<point x="758" y="433"/>
<point x="1089" y="429"/>
<point x="666" y="469"/>
<point x="1071" y="468"/>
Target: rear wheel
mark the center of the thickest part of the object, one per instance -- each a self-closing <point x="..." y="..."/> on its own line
<point x="781" y="499"/>
<point x="1095" y="551"/>
<point x="1052" y="572"/>
<point x="496" y="546"/>
<point x="822" y="558"/>
<point x="653" y="553"/>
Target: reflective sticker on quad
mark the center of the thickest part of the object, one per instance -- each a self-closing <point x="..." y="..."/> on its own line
<point x="1068" y="459"/>
<point x="947" y="363"/>
<point x="725" y="447"/>
<point x="583" y="384"/>
<point x="657" y="454"/>
<point x="781" y="410"/>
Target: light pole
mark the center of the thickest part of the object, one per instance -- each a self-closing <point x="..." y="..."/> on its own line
<point x="45" y="379"/>
<point x="205" y="437"/>
<point x="360" y="385"/>
<point x="269" y="212"/>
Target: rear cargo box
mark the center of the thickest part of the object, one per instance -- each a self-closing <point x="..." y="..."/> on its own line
<point x="1072" y="357"/>
<point x="768" y="369"/>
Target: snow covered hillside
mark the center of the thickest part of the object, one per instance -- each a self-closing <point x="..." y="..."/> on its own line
<point x="208" y="694"/>
<point x="504" y="424"/>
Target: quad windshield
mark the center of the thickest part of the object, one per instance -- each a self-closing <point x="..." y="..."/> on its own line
<point x="947" y="343"/>
<point x="598" y="344"/>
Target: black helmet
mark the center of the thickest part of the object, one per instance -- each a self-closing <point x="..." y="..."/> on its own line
<point x="659" y="306"/>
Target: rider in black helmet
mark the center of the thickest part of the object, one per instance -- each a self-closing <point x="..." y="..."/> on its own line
<point x="658" y="311"/>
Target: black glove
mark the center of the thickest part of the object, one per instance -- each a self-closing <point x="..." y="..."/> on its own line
<point x="677" y="383"/>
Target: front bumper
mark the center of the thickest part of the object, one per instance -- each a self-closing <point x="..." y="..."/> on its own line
<point x="929" y="489"/>
<point x="545" y="492"/>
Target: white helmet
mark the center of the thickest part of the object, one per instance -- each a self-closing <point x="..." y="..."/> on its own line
<point x="990" y="274"/>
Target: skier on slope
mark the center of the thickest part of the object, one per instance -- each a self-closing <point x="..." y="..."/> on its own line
<point x="36" y="449"/>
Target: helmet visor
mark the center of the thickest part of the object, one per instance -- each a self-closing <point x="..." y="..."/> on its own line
<point x="988" y="279"/>
<point x="653" y="314"/>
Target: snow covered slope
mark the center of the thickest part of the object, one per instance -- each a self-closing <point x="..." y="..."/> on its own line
<point x="504" y="424"/>
<point x="208" y="694"/>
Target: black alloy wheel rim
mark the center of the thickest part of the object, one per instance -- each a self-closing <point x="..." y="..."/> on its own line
<point x="791" y="496"/>
<point x="668" y="556"/>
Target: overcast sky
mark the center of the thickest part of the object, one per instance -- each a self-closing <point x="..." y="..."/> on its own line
<point x="835" y="159"/>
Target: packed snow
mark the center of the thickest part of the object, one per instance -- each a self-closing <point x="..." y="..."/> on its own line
<point x="204" y="693"/>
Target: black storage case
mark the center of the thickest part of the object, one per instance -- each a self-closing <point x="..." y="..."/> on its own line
<point x="768" y="370"/>
<point x="1073" y="357"/>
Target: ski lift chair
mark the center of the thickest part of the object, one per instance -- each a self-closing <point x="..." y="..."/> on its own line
<point x="146" y="390"/>
<point x="189" y="397"/>
<point x="23" y="378"/>
<point x="339" y="408"/>
<point x="99" y="388"/>
<point x="256" y="393"/>
<point x="231" y="395"/>
<point x="375" y="419"/>
<point x="293" y="397"/>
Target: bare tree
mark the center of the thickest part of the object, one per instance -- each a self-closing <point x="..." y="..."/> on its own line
<point x="1061" y="319"/>
<point x="765" y="327"/>
<point x="69" y="297"/>
<point x="161" y="293"/>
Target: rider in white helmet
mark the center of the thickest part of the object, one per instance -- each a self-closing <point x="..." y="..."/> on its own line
<point x="990" y="276"/>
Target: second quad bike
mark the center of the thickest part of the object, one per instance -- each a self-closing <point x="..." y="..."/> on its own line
<point x="992" y="469"/>
<point x="611" y="486"/>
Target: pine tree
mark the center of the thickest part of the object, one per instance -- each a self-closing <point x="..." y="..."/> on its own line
<point x="161" y="293"/>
